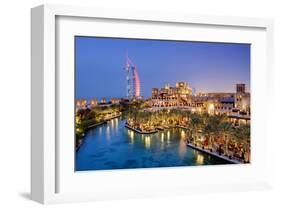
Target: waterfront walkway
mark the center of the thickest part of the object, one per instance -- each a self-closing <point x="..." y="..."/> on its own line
<point x="103" y="122"/>
<point x="213" y="153"/>
<point x="139" y="131"/>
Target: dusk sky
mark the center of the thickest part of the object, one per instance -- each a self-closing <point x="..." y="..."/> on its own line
<point x="207" y="67"/>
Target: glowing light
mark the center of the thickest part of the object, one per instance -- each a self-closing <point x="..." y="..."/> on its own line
<point x="199" y="159"/>
<point x="182" y="134"/>
<point x="168" y="135"/>
<point x="131" y="136"/>
<point x="108" y="133"/>
<point x="137" y="82"/>
<point x="211" y="108"/>
<point x="182" y="148"/>
<point x="147" y="142"/>
<point x="162" y="137"/>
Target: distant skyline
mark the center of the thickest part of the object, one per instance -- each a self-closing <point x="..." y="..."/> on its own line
<point x="207" y="67"/>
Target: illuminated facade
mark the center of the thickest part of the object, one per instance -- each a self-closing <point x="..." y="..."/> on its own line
<point x="94" y="102"/>
<point x="103" y="101"/>
<point x="170" y="96"/>
<point x="236" y="105"/>
<point x="81" y="103"/>
<point x="115" y="101"/>
<point x="133" y="87"/>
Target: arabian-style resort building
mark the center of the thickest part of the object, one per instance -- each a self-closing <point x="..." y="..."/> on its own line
<point x="170" y="96"/>
<point x="91" y="103"/>
<point x="181" y="96"/>
<point x="236" y="105"/>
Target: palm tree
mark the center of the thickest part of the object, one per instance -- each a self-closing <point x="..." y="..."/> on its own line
<point x="207" y="131"/>
<point x="242" y="136"/>
<point x="212" y="128"/>
<point x="194" y="126"/>
<point x="226" y="130"/>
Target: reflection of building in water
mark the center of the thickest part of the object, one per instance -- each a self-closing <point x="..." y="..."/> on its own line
<point x="162" y="137"/>
<point x="131" y="135"/>
<point x="182" y="144"/>
<point x="108" y="135"/>
<point x="147" y="141"/>
<point x="183" y="135"/>
<point x="168" y="136"/>
<point x="199" y="159"/>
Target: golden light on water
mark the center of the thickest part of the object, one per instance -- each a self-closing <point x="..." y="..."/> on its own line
<point x="182" y="148"/>
<point x="168" y="135"/>
<point x="100" y="131"/>
<point x="107" y="133"/>
<point x="162" y="137"/>
<point x="131" y="135"/>
<point x="147" y="140"/>
<point x="182" y="134"/>
<point x="199" y="159"/>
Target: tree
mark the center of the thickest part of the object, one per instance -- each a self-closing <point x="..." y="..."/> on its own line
<point x="242" y="136"/>
<point x="226" y="130"/>
<point x="194" y="125"/>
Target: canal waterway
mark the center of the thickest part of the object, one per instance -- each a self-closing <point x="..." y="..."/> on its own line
<point x="112" y="146"/>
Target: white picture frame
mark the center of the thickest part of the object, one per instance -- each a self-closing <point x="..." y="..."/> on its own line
<point x="51" y="178"/>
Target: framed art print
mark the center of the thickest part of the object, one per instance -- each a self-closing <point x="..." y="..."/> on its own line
<point x="130" y="104"/>
<point x="123" y="121"/>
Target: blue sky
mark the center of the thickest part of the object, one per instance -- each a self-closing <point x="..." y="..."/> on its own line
<point x="207" y="67"/>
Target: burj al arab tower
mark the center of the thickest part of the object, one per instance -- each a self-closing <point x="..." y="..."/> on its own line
<point x="133" y="81"/>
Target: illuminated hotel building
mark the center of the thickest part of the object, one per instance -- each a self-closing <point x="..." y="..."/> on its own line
<point x="93" y="103"/>
<point x="242" y="98"/>
<point x="115" y="101"/>
<point x="103" y="101"/>
<point x="154" y="93"/>
<point x="80" y="104"/>
<point x="236" y="105"/>
<point x="133" y="87"/>
<point x="170" y="96"/>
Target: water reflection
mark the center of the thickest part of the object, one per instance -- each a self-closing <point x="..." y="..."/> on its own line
<point x="168" y="136"/>
<point x="147" y="141"/>
<point x="100" y="132"/>
<point x="199" y="159"/>
<point x="108" y="133"/>
<point x="182" y="148"/>
<point x="183" y="134"/>
<point x="111" y="146"/>
<point x="162" y="137"/>
<point x="116" y="121"/>
<point x="131" y="136"/>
